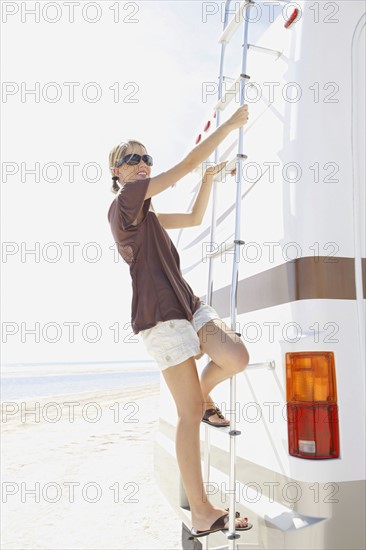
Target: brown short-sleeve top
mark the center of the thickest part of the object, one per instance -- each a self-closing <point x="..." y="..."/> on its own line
<point x="159" y="291"/>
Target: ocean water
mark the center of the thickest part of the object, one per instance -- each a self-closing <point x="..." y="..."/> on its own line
<point x="24" y="387"/>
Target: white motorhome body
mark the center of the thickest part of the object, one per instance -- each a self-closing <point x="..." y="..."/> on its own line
<point x="301" y="284"/>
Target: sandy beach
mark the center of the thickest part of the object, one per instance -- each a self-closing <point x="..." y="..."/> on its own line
<point x="78" y="473"/>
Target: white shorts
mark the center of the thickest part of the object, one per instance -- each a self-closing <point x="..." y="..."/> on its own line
<point x="172" y="342"/>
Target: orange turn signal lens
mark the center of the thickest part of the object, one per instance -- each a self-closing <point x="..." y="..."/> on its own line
<point x="311" y="377"/>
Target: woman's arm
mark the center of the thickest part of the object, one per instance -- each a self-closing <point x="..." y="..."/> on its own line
<point x="195" y="217"/>
<point x="200" y="153"/>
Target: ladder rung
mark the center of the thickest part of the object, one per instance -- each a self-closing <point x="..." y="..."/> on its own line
<point x="228" y="167"/>
<point x="235" y="23"/>
<point x="222" y="249"/>
<point x="229" y="95"/>
<point x="221" y="429"/>
<point x="261" y="49"/>
<point x="269" y="364"/>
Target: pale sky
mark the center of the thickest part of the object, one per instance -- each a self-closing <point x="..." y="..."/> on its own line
<point x="167" y="54"/>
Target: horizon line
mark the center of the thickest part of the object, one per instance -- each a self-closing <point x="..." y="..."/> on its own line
<point x="78" y="362"/>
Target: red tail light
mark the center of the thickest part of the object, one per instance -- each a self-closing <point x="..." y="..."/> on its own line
<point x="312" y="410"/>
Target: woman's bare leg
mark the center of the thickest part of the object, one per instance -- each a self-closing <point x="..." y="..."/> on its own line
<point x="228" y="355"/>
<point x="227" y="351"/>
<point x="183" y="382"/>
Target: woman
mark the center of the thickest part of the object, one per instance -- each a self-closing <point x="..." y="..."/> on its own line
<point x="175" y="325"/>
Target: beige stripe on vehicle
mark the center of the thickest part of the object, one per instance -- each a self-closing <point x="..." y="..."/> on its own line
<point x="301" y="279"/>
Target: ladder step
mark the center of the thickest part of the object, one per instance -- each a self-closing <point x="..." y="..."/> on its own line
<point x="220" y="251"/>
<point x="223" y="429"/>
<point x="269" y="364"/>
<point x="234" y="89"/>
<point x="230" y="93"/>
<point x="229" y="166"/>
<point x="235" y="23"/>
<point x="261" y="49"/>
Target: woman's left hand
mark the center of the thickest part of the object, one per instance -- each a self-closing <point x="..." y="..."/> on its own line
<point x="216" y="168"/>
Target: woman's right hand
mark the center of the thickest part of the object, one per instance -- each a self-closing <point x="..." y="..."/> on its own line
<point x="239" y="118"/>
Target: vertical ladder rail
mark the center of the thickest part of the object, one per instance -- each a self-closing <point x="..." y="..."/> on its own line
<point x="213" y="237"/>
<point x="214" y="201"/>
<point x="233" y="292"/>
<point x="232" y="535"/>
<point x="214" y="191"/>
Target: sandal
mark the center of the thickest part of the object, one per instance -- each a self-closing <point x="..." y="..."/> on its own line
<point x="211" y="412"/>
<point x="219" y="525"/>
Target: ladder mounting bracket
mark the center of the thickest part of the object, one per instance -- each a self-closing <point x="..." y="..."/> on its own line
<point x="234" y="432"/>
<point x="239" y="242"/>
<point x="234" y="536"/>
<point x="242" y="156"/>
<point x="244" y="75"/>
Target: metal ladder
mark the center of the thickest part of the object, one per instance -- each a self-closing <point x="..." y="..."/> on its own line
<point x="228" y="31"/>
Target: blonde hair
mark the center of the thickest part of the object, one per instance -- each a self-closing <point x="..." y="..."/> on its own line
<point x="117" y="154"/>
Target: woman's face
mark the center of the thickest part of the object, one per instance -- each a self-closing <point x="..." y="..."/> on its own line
<point x="141" y="170"/>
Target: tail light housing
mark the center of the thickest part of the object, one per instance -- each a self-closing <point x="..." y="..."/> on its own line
<point x="312" y="410"/>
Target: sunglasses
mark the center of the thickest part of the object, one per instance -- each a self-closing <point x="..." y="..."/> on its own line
<point x="134" y="159"/>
